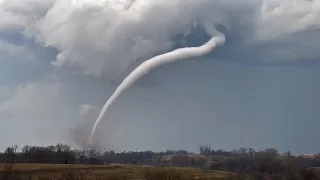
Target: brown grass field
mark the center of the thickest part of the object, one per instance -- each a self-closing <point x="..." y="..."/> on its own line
<point x="113" y="172"/>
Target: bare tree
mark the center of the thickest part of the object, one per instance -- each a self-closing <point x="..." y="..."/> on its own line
<point x="205" y="149"/>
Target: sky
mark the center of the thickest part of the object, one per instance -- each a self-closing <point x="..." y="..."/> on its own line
<point x="60" y="60"/>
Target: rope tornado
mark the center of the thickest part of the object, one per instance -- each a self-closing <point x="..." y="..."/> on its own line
<point x="145" y="67"/>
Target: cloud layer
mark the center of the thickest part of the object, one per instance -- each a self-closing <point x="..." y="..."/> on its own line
<point x="89" y="46"/>
<point x="104" y="37"/>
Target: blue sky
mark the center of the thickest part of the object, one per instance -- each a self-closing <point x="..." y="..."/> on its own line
<point x="60" y="63"/>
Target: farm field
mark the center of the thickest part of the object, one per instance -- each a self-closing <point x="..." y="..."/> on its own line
<point x="96" y="172"/>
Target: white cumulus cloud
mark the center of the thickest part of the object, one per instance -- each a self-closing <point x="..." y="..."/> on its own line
<point x="104" y="37"/>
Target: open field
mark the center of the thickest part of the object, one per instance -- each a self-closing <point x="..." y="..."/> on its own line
<point x="114" y="172"/>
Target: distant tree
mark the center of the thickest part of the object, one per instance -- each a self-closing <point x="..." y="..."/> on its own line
<point x="25" y="152"/>
<point x="10" y="153"/>
<point x="205" y="149"/>
<point x="271" y="152"/>
<point x="288" y="153"/>
<point x="251" y="152"/>
<point x="243" y="151"/>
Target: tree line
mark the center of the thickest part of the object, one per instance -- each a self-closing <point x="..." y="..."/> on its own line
<point x="264" y="162"/>
<point x="64" y="154"/>
<point x="241" y="160"/>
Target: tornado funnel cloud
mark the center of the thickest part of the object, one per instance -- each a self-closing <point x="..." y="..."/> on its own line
<point x="145" y="67"/>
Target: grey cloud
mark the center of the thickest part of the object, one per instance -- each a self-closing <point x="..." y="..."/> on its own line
<point x="263" y="81"/>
